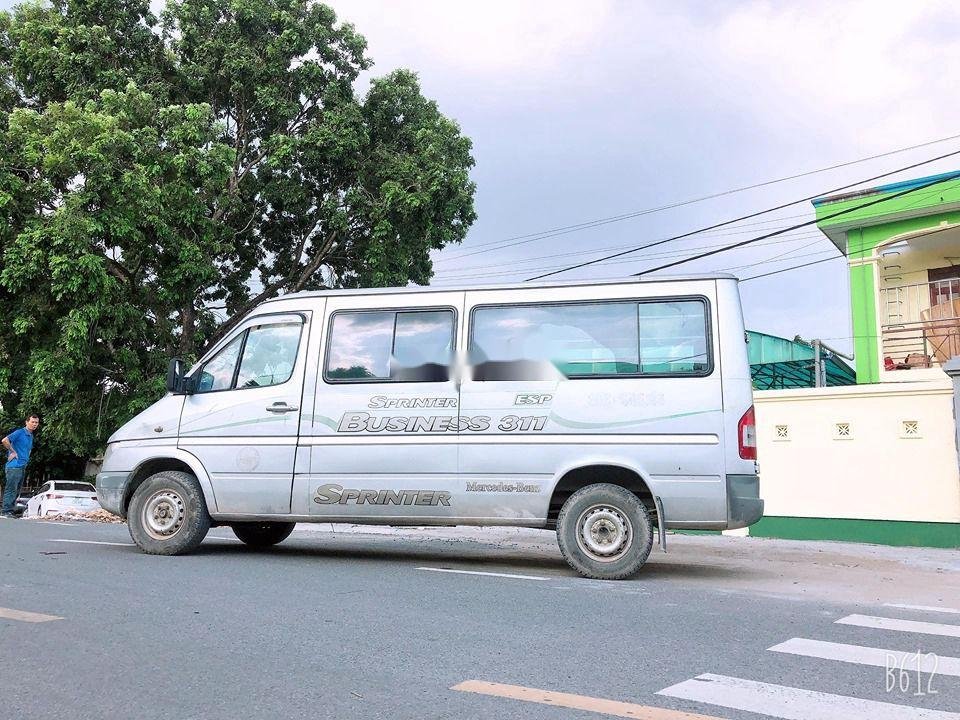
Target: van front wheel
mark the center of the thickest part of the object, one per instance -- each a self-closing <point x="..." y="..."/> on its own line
<point x="167" y="514"/>
<point x="262" y="534"/>
<point x="604" y="532"/>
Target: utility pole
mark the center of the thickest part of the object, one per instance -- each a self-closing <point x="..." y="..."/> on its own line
<point x="819" y="373"/>
<point x="821" y="354"/>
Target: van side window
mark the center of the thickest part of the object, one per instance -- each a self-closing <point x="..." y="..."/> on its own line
<point x="579" y="340"/>
<point x="590" y="339"/>
<point x="217" y="372"/>
<point x="269" y="355"/>
<point x="673" y="338"/>
<point x="390" y="346"/>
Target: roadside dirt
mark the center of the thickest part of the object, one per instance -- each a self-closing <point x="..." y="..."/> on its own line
<point x="801" y="570"/>
<point x="94" y="516"/>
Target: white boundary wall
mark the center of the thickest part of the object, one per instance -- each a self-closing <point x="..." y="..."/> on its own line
<point x="871" y="452"/>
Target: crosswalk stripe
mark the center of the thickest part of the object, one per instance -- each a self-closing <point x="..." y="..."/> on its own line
<point x="879" y="657"/>
<point x="577" y="702"/>
<point x="925" y="608"/>
<point x="913" y="626"/>
<point x="24" y="616"/>
<point x="791" y="703"/>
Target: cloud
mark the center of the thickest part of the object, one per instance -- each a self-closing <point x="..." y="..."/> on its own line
<point x="865" y="71"/>
<point x="476" y="38"/>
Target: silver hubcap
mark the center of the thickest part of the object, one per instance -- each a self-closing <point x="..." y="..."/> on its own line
<point x="604" y="533"/>
<point x="163" y="515"/>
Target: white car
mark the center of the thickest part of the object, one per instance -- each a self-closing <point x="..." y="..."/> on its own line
<point x="60" y="496"/>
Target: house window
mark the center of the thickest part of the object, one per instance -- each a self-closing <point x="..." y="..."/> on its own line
<point x="944" y="285"/>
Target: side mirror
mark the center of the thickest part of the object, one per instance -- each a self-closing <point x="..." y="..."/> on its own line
<point x="175" y="377"/>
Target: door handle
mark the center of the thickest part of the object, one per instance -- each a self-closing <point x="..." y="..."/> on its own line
<point x="281" y="407"/>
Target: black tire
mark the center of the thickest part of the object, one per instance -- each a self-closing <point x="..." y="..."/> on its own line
<point x="263" y="534"/>
<point x="168" y="514"/>
<point x="604" y="532"/>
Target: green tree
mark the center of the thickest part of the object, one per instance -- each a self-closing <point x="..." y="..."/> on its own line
<point x="158" y="176"/>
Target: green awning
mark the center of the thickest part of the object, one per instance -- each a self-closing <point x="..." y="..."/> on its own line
<point x="778" y="363"/>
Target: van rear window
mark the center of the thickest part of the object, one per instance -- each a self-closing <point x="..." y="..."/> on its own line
<point x="591" y="339"/>
<point x="390" y="346"/>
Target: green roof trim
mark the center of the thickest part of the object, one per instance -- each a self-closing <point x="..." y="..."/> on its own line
<point x="907" y="205"/>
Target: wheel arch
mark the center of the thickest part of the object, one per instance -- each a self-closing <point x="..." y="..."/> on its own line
<point x="600" y="471"/>
<point x="173" y="460"/>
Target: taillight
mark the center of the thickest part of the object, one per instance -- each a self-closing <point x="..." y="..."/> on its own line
<point x="51" y="496"/>
<point x="747" y="435"/>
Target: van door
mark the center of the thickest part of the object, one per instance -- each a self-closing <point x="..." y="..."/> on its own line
<point x="383" y="443"/>
<point x="243" y="415"/>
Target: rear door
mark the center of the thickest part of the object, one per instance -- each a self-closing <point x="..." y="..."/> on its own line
<point x="243" y="417"/>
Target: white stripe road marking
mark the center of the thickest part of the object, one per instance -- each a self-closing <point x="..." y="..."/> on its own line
<point x="879" y="657"/>
<point x="486" y="574"/>
<point x="102" y="542"/>
<point x="791" y="703"/>
<point x="925" y="608"/>
<point x="24" y="616"/>
<point x="913" y="626"/>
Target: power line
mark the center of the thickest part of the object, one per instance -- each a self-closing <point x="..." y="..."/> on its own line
<point x="886" y="198"/>
<point x="782" y="256"/>
<point x="797" y="267"/>
<point x="441" y="260"/>
<point x="747" y="217"/>
<point x="589" y="224"/>
<point x="470" y="271"/>
<point x="504" y="273"/>
<point x="499" y="269"/>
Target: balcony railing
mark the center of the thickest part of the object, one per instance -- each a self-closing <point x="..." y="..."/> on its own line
<point x="920" y="324"/>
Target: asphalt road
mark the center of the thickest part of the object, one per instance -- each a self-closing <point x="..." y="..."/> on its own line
<point x="334" y="625"/>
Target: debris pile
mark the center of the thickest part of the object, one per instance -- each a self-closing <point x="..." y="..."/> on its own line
<point x="94" y="516"/>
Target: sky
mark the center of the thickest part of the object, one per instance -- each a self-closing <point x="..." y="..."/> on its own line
<point x="581" y="111"/>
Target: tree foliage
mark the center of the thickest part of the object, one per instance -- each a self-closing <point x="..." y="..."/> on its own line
<point x="160" y="175"/>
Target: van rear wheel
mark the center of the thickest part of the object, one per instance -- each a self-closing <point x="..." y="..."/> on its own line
<point x="168" y="514"/>
<point x="262" y="534"/>
<point x="604" y="532"/>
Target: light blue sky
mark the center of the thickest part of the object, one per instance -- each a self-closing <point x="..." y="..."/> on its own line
<point x="583" y="110"/>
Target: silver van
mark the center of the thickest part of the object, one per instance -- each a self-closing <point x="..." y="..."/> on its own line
<point x="604" y="410"/>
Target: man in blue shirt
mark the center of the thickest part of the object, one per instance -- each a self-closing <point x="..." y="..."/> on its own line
<point x="18" y="445"/>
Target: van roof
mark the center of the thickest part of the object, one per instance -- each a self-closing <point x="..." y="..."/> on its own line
<point x="503" y="286"/>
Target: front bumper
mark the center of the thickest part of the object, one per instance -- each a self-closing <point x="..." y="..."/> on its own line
<point x="110" y="489"/>
<point x="744" y="506"/>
